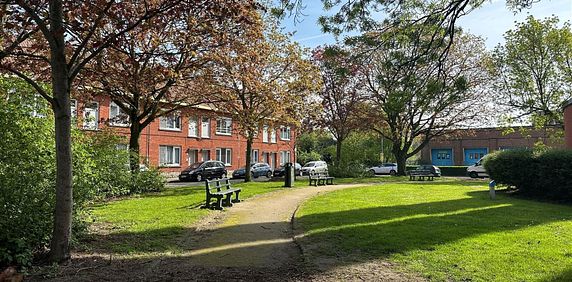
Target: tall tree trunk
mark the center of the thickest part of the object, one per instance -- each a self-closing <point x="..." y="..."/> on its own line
<point x="247" y="175"/>
<point x="134" y="155"/>
<point x="338" y="151"/>
<point x="401" y="158"/>
<point x="59" y="246"/>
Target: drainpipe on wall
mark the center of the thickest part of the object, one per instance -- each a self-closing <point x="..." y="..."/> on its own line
<point x="147" y="149"/>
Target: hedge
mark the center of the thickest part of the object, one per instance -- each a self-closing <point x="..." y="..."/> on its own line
<point x="543" y="175"/>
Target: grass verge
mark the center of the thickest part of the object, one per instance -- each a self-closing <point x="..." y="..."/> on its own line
<point x="154" y="222"/>
<point x="445" y="230"/>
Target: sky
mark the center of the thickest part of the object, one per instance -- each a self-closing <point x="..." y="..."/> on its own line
<point x="490" y="21"/>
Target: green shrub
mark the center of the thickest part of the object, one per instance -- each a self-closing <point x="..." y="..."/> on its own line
<point x="453" y="170"/>
<point x="543" y="174"/>
<point x="512" y="167"/>
<point x="353" y="170"/>
<point x="27" y="170"/>
<point x="147" y="181"/>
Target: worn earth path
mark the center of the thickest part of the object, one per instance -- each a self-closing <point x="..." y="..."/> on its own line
<point x="253" y="241"/>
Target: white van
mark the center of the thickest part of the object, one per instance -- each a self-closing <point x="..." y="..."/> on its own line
<point x="314" y="167"/>
<point x="477" y="170"/>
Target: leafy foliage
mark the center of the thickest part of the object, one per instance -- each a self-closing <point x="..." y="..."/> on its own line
<point x="414" y="96"/>
<point x="27" y="169"/>
<point x="542" y="174"/>
<point x="533" y="71"/>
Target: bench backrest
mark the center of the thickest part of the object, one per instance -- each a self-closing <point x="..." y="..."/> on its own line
<point x="216" y="184"/>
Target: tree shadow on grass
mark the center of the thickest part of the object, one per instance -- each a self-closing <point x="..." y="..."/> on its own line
<point x="391" y="229"/>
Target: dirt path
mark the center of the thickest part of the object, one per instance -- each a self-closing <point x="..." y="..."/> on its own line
<point x="258" y="232"/>
<point x="254" y="241"/>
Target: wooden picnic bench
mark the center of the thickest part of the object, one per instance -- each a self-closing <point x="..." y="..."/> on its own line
<point x="421" y="174"/>
<point x="219" y="189"/>
<point x="321" y="178"/>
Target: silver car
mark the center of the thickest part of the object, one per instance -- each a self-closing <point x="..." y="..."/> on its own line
<point x="385" y="168"/>
<point x="314" y="167"/>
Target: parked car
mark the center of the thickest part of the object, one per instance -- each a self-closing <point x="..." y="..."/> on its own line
<point x="203" y="170"/>
<point x="477" y="170"/>
<point x="431" y="168"/>
<point x="385" y="168"/>
<point x="314" y="167"/>
<point x="281" y="170"/>
<point x="256" y="170"/>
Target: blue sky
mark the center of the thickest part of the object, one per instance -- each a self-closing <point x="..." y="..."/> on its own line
<point x="490" y="21"/>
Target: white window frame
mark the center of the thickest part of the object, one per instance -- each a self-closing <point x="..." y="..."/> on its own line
<point x="284" y="157"/>
<point x="205" y="133"/>
<point x="227" y="156"/>
<point x="265" y="134"/>
<point x="73" y="109"/>
<point x="194" y="133"/>
<point x="223" y="126"/>
<point x="164" y="122"/>
<point x="272" y="135"/>
<point x="114" y="120"/>
<point x="176" y="158"/>
<point x="285" y="130"/>
<point x="96" y="123"/>
<point x="195" y="155"/>
<point x="254" y="156"/>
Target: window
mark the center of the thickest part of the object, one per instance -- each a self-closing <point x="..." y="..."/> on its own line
<point x="205" y="127"/>
<point x="285" y="132"/>
<point x="272" y="135"/>
<point x="193" y="127"/>
<point x="117" y="117"/>
<point x="284" y="157"/>
<point x="192" y="156"/>
<point x="169" y="156"/>
<point x="121" y="147"/>
<point x="224" y="155"/>
<point x="254" y="156"/>
<point x="91" y="116"/>
<point x="73" y="105"/>
<point x="205" y="155"/>
<point x="224" y="126"/>
<point x="170" y="122"/>
<point x="265" y="134"/>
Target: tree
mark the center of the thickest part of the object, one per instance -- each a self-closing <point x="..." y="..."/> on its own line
<point x="341" y="93"/>
<point x="413" y="101"/>
<point x="53" y="41"/>
<point x="533" y="70"/>
<point x="159" y="67"/>
<point x="264" y="81"/>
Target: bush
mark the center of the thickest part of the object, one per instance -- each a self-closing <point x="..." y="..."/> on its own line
<point x="27" y="170"/>
<point x="545" y="174"/>
<point x="352" y="170"/>
<point x="453" y="170"/>
<point x="512" y="167"/>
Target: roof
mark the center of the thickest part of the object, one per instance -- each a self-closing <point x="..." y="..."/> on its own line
<point x="566" y="104"/>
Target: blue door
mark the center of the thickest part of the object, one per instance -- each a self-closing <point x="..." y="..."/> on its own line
<point x="473" y="155"/>
<point x="442" y="157"/>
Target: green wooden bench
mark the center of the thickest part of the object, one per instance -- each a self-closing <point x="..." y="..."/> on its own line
<point x="421" y="175"/>
<point x="320" y="179"/>
<point x="221" y="190"/>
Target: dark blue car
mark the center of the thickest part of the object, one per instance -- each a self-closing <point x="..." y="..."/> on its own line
<point x="256" y="170"/>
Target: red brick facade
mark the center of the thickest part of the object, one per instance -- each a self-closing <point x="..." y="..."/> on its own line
<point x="568" y="124"/>
<point x="465" y="147"/>
<point x="198" y="148"/>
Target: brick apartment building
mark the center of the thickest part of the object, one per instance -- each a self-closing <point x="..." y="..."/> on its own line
<point x="466" y="147"/>
<point x="190" y="135"/>
<point x="568" y="123"/>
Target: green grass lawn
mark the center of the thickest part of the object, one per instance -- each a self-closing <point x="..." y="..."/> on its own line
<point x="446" y="230"/>
<point x="153" y="222"/>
